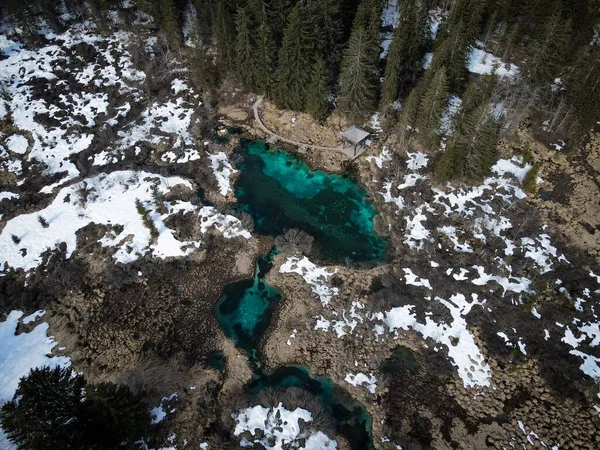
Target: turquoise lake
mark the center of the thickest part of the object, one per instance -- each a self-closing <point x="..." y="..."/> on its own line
<point x="281" y="192"/>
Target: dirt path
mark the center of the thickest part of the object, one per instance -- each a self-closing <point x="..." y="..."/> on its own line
<point x="348" y="151"/>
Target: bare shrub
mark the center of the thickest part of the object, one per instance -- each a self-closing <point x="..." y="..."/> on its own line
<point x="293" y="398"/>
<point x="294" y="240"/>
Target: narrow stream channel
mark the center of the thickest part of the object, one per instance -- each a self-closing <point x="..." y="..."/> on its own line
<point x="281" y="192"/>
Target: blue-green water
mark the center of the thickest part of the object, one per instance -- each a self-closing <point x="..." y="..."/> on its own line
<point x="246" y="307"/>
<point x="281" y="192"/>
<point x="244" y="311"/>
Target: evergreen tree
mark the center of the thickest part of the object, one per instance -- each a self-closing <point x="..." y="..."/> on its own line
<point x="410" y="107"/>
<point x="432" y="109"/>
<point x="55" y="408"/>
<point x="112" y="414"/>
<point x="452" y="54"/>
<point x="205" y="11"/>
<point x="244" y="49"/>
<point x="279" y="11"/>
<point x="328" y="34"/>
<point x="406" y="50"/>
<point x="549" y="52"/>
<point x="358" y="89"/>
<point x="584" y="87"/>
<point x="472" y="152"/>
<point x="45" y="410"/>
<point x="317" y="104"/>
<point x="168" y="21"/>
<point x="295" y="56"/>
<point x="265" y="47"/>
<point x="477" y="93"/>
<point x="224" y="31"/>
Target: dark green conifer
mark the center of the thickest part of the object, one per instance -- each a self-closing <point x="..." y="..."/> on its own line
<point x="358" y="89"/>
<point x="452" y="54"/>
<point x="549" y="52"/>
<point x="295" y="56"/>
<point x="410" y="108"/>
<point x="472" y="151"/>
<point x="224" y="23"/>
<point x="432" y="109"/>
<point x="169" y="22"/>
<point x="244" y="49"/>
<point x="265" y="47"/>
<point x="317" y="104"/>
<point x="48" y="410"/>
<point x="328" y="34"/>
<point x="55" y="408"/>
<point x="406" y="49"/>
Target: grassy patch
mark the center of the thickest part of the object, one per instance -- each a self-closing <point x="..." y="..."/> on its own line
<point x="529" y="183"/>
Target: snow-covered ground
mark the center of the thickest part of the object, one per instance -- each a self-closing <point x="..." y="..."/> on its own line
<point x="22" y="69"/>
<point x="438" y="213"/>
<point x="279" y="426"/>
<point x="109" y="200"/>
<point x="21" y="353"/>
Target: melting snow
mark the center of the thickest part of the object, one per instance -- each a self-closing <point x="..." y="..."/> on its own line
<point x="317" y="277"/>
<point x="381" y="159"/>
<point x="462" y="350"/>
<point x="223" y="170"/>
<point x="279" y="427"/>
<point x="361" y="379"/>
<point x="483" y="62"/>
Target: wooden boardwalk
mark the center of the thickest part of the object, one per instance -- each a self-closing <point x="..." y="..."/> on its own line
<point x="274" y="137"/>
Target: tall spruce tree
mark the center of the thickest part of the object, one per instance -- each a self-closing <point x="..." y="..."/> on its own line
<point x="410" y="108"/>
<point x="48" y="411"/>
<point x="406" y="50"/>
<point x="279" y="11"/>
<point x="432" y="109"/>
<point x="477" y="93"/>
<point x="317" y="103"/>
<point x="224" y="32"/>
<point x="328" y="34"/>
<point x="549" y="51"/>
<point x="472" y="152"/>
<point x="244" y="48"/>
<point x="295" y="56"/>
<point x="168" y="21"/>
<point x="583" y="87"/>
<point x="265" y="47"/>
<point x="55" y="408"/>
<point x="452" y="54"/>
<point x="358" y="88"/>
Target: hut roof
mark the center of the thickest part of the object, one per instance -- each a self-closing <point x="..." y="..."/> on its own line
<point x="355" y="134"/>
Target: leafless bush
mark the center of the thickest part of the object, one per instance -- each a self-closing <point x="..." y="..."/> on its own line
<point x="293" y="398"/>
<point x="294" y="240"/>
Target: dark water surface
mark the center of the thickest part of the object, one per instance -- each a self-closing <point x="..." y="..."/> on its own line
<point x="244" y="311"/>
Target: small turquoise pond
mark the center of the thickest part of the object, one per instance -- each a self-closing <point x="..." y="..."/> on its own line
<point x="281" y="192"/>
<point x="245" y="308"/>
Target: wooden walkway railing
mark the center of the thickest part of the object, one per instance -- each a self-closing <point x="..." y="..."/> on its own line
<point x="348" y="151"/>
